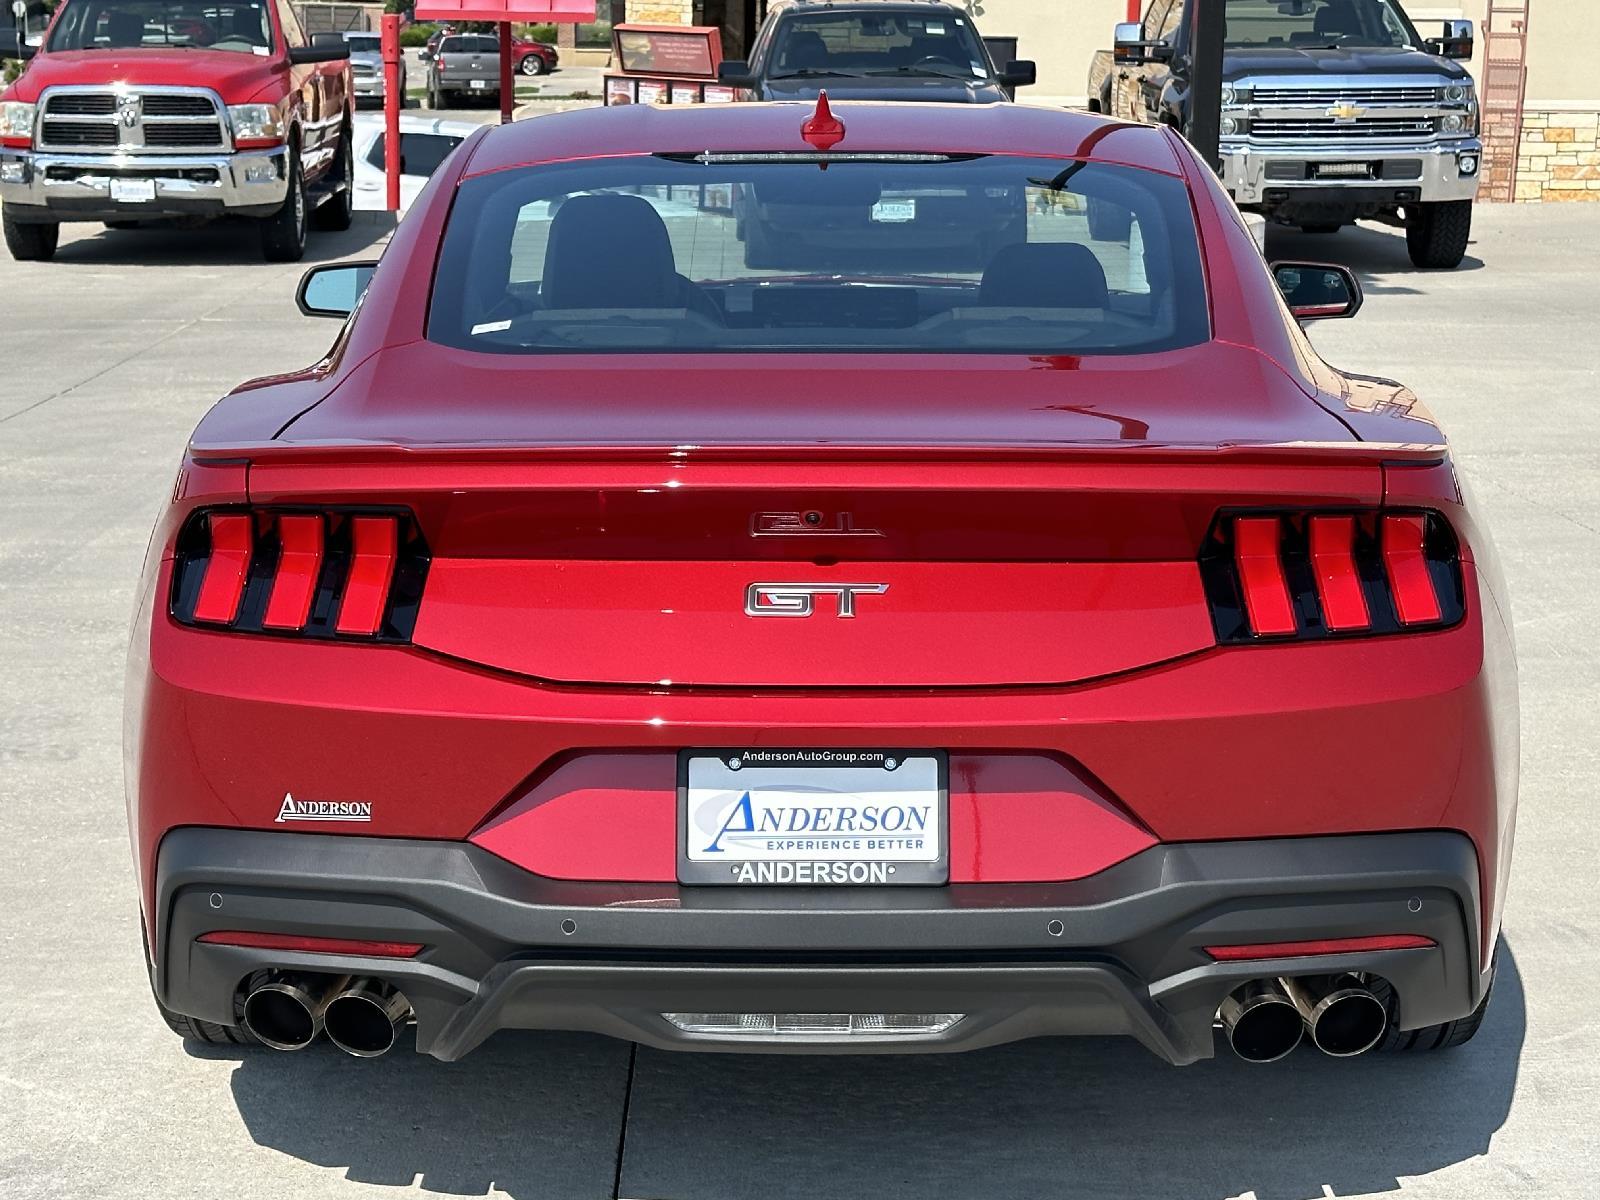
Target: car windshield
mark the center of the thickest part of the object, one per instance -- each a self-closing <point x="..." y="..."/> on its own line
<point x="1315" y="24"/>
<point x="237" y="25"/>
<point x="858" y="43"/>
<point x="918" y="253"/>
<point x="364" y="43"/>
<point x="420" y="153"/>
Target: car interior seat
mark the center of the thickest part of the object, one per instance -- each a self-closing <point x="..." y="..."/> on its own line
<point x="1044" y="275"/>
<point x="124" y="29"/>
<point x="1337" y="20"/>
<point x="803" y="50"/>
<point x="613" y="251"/>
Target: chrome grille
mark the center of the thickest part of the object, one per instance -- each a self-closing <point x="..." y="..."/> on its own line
<point x="1284" y="129"/>
<point x="1356" y="95"/>
<point x="132" y="121"/>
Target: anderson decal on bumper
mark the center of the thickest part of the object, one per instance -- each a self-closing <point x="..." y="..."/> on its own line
<point x="323" y="810"/>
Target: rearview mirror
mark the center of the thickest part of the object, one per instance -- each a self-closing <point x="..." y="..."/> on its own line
<point x="334" y="290"/>
<point x="1318" y="291"/>
<point x="1019" y="72"/>
<point x="1131" y="50"/>
<point x="324" y="47"/>
<point x="735" y="72"/>
<point x="1456" y="42"/>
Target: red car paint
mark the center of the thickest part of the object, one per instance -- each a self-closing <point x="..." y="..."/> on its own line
<point x="546" y="694"/>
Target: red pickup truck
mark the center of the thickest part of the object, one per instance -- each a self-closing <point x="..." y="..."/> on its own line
<point x="142" y="110"/>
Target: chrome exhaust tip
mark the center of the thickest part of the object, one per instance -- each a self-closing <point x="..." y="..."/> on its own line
<point x="1343" y="1015"/>
<point x="286" y="1012"/>
<point x="366" y="1017"/>
<point x="1261" y="1022"/>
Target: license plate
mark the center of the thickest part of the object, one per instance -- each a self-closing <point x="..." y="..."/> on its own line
<point x="1354" y="170"/>
<point x="817" y="818"/>
<point x="480" y="83"/>
<point x="894" y="211"/>
<point x="133" y="191"/>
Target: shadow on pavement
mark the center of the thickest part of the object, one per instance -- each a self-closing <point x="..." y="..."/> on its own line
<point x="1367" y="250"/>
<point x="537" y="1115"/>
<point x="227" y="242"/>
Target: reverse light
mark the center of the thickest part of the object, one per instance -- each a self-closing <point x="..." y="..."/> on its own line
<point x="336" y="573"/>
<point x="257" y="123"/>
<point x="359" y="947"/>
<point x="16" y="123"/>
<point x="1352" y="945"/>
<point x="1310" y="575"/>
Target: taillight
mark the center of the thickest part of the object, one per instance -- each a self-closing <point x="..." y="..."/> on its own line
<point x="349" y="573"/>
<point x="1305" y="575"/>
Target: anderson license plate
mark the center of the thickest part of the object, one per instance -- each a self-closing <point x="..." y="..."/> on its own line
<point x="818" y="818"/>
<point x="133" y="191"/>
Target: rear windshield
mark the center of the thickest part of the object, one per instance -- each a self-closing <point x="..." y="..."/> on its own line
<point x="858" y="43"/>
<point x="469" y="45"/>
<point x="238" y="25"/>
<point x="982" y="254"/>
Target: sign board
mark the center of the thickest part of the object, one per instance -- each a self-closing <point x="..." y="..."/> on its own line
<point x="561" y="11"/>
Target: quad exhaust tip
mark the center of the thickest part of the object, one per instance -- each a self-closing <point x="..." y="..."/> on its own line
<point x="1261" y="1022"/>
<point x="287" y="1011"/>
<point x="1344" y="1016"/>
<point x="365" y="1017"/>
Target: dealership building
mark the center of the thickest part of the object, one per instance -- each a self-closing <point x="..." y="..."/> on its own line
<point x="1541" y="95"/>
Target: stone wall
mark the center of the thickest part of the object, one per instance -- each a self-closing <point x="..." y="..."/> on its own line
<point x="661" y="12"/>
<point x="1559" y="158"/>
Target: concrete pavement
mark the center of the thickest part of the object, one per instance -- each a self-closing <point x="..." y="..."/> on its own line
<point x="110" y="354"/>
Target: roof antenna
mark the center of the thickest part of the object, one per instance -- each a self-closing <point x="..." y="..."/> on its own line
<point x="822" y="129"/>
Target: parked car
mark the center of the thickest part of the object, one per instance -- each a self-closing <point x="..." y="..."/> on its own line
<point x="366" y="69"/>
<point x="425" y="144"/>
<point x="528" y="57"/>
<point x="871" y="50"/>
<point x="129" y="113"/>
<point x="465" y="64"/>
<point x="883" y="655"/>
<point x="1333" y="111"/>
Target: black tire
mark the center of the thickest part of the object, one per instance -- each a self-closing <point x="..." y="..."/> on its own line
<point x="30" y="243"/>
<point x="1429" y="1037"/>
<point x="1437" y="234"/>
<point x="1321" y="227"/>
<point x="532" y="64"/>
<point x="336" y="213"/>
<point x="121" y="226"/>
<point x="192" y="1029"/>
<point x="283" y="235"/>
<point x="1109" y="222"/>
<point x="758" y="251"/>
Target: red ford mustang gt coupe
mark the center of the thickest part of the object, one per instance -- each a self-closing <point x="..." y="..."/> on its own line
<point x="888" y="578"/>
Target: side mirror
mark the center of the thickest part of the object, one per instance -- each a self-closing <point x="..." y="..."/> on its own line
<point x="334" y="290"/>
<point x="1019" y="72"/>
<point x="1131" y="50"/>
<point x="13" y="45"/>
<point x="425" y="55"/>
<point x="1318" y="291"/>
<point x="324" y="47"/>
<point x="1456" y="42"/>
<point x="735" y="72"/>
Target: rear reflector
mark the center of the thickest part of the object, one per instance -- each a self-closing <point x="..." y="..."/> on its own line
<point x="1355" y="945"/>
<point x="801" y="1027"/>
<point x="337" y="573"/>
<point x="311" y="945"/>
<point x="1315" y="575"/>
<point x="232" y="541"/>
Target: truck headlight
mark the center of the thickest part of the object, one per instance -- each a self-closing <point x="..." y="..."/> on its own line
<point x="1457" y="92"/>
<point x="16" y="119"/>
<point x="1231" y="126"/>
<point x="1229" y="96"/>
<point x="1452" y="123"/>
<point x="256" y="122"/>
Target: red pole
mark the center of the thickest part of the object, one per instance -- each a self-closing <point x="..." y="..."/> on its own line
<point x="1133" y="10"/>
<point x="508" y="94"/>
<point x="392" y="100"/>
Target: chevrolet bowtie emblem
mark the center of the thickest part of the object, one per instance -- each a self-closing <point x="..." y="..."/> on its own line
<point x="1346" y="112"/>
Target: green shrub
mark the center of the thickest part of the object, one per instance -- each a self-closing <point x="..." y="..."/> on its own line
<point x="418" y="34"/>
<point x="540" y="33"/>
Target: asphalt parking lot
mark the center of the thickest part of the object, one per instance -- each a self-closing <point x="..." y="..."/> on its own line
<point x="110" y="354"/>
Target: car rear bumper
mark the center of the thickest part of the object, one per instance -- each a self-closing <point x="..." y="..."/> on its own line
<point x="1119" y="952"/>
<point x="1266" y="175"/>
<point x="39" y="187"/>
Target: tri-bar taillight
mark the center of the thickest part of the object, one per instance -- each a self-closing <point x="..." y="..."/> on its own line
<point x="1322" y="574"/>
<point x="354" y="573"/>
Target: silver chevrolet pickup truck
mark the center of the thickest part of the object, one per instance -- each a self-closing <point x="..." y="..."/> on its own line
<point x="1333" y="111"/>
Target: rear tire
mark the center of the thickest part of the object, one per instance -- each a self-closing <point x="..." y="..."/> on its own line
<point x="532" y="64"/>
<point x="1321" y="228"/>
<point x="283" y="235"/>
<point x="192" y="1029"/>
<point x="30" y="243"/>
<point x="1437" y="234"/>
<point x="1429" y="1037"/>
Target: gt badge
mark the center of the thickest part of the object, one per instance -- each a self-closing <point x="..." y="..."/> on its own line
<point x="323" y="810"/>
<point x="798" y="599"/>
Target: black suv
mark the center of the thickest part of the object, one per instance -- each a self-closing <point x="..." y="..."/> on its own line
<point x="871" y="50"/>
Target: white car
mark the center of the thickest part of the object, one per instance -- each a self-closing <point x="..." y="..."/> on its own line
<point x="424" y="144"/>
